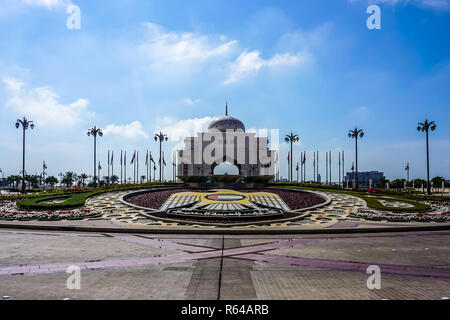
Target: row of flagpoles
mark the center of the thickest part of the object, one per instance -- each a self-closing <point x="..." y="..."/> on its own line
<point x="149" y="161"/>
<point x="301" y="167"/>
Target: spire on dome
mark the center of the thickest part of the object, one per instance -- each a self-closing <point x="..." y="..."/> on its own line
<point x="226" y="108"/>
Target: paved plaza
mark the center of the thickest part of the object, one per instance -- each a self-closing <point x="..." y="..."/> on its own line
<point x="33" y="264"/>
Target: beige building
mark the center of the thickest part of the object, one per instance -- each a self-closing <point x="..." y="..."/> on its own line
<point x="226" y="142"/>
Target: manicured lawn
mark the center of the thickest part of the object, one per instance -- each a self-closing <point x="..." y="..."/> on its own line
<point x="74" y="199"/>
<point x="372" y="199"/>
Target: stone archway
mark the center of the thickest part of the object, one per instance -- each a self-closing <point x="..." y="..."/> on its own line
<point x="226" y="168"/>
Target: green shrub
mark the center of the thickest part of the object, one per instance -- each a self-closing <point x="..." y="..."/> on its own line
<point x="75" y="198"/>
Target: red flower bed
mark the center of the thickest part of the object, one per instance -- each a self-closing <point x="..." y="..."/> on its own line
<point x="294" y="199"/>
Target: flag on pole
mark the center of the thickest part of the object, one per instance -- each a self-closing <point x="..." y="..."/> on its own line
<point x="134" y="158"/>
<point x="146" y="159"/>
<point x="151" y="158"/>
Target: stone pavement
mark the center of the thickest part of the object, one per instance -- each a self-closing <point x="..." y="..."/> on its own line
<point x="115" y="214"/>
<point x="414" y="265"/>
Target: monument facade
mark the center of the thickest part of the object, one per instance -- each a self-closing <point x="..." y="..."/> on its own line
<point x="226" y="141"/>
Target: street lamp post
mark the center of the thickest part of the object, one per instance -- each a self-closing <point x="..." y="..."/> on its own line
<point x="425" y="127"/>
<point x="25" y="125"/>
<point x="291" y="138"/>
<point x="161" y="137"/>
<point x="95" y="132"/>
<point x="355" y="133"/>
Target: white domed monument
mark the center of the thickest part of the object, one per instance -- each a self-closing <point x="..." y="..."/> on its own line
<point x="226" y="143"/>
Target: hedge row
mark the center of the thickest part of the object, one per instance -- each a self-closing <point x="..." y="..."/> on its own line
<point x="371" y="201"/>
<point x="74" y="199"/>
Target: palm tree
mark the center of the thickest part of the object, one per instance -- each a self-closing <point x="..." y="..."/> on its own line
<point x="69" y="178"/>
<point x="95" y="132"/>
<point x="425" y="127"/>
<point x="437" y="182"/>
<point x="354" y="134"/>
<point x="83" y="178"/>
<point x="114" y="179"/>
<point x="291" y="138"/>
<point x="14" y="180"/>
<point x="51" y="181"/>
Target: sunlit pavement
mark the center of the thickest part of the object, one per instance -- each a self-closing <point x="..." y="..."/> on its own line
<point x="33" y="265"/>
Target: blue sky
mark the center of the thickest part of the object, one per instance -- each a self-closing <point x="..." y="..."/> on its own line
<point x="311" y="67"/>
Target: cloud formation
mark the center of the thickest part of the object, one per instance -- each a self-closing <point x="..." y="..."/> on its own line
<point x="177" y="130"/>
<point x="189" y="53"/>
<point x="132" y="130"/>
<point x="249" y="63"/>
<point x="170" y="49"/>
<point x="50" y="4"/>
<point x="42" y="105"/>
<point x="434" y="4"/>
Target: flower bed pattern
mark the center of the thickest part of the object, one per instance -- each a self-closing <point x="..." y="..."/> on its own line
<point x="440" y="213"/>
<point x="294" y="199"/>
<point x="9" y="211"/>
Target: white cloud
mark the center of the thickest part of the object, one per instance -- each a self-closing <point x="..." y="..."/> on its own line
<point x="50" y="4"/>
<point x="249" y="63"/>
<point x="166" y="49"/>
<point x="177" y="130"/>
<point x="191" y="102"/>
<point x="434" y="4"/>
<point x="42" y="105"/>
<point x="130" y="131"/>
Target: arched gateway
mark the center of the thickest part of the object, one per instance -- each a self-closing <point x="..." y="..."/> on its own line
<point x="226" y="141"/>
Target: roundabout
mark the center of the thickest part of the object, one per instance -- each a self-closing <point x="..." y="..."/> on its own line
<point x="268" y="211"/>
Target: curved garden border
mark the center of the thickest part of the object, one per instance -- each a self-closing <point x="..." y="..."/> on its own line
<point x="156" y="214"/>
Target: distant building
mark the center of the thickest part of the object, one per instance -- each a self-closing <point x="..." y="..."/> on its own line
<point x="319" y="178"/>
<point x="365" y="177"/>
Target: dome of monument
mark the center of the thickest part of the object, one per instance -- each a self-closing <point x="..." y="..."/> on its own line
<point x="225" y="123"/>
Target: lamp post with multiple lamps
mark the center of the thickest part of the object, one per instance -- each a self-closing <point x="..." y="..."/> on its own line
<point x="95" y="132"/>
<point x="426" y="127"/>
<point x="291" y="138"/>
<point x="161" y="137"/>
<point x="25" y="125"/>
<point x="355" y="134"/>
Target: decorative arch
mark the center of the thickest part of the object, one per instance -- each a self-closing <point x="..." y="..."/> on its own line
<point x="229" y="168"/>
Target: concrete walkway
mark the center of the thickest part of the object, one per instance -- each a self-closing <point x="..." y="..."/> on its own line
<point x="414" y="265"/>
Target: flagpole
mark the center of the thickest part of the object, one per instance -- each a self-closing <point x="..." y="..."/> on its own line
<point x="289" y="168"/>
<point x="318" y="166"/>
<point x="125" y="166"/>
<point x="304" y="167"/>
<point x="112" y="163"/>
<point x="108" y="169"/>
<point x="137" y="165"/>
<point x="343" y="169"/>
<point x="121" y="164"/>
<point x="314" y="167"/>
<point x="330" y="167"/>
<point x="150" y="160"/>
<point x="339" y="168"/>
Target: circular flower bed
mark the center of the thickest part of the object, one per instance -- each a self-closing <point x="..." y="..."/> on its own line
<point x="435" y="216"/>
<point x="294" y="199"/>
<point x="9" y="211"/>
